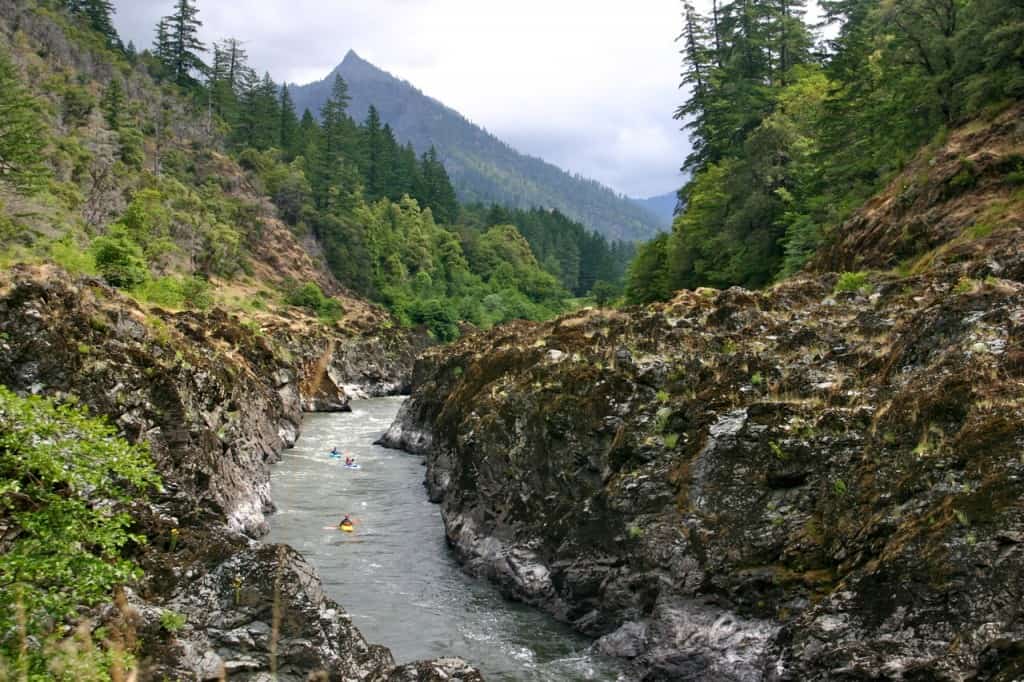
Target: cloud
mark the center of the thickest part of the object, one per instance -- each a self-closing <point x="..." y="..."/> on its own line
<point x="590" y="86"/>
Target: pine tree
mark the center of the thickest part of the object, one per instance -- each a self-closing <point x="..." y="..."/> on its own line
<point x="99" y="13"/>
<point x="698" y="63"/>
<point x="162" y="43"/>
<point x="21" y="132"/>
<point x="371" y="157"/>
<point x="183" y="45"/>
<point x="288" y="133"/>
<point x="308" y="136"/>
<point x="336" y="132"/>
<point x="435" y="189"/>
<point x="113" y="103"/>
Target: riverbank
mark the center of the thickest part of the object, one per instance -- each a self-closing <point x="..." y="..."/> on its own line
<point x="217" y="400"/>
<point x="395" y="574"/>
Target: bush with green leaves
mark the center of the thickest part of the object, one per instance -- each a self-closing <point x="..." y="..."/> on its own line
<point x="312" y="297"/>
<point x="853" y="282"/>
<point x="176" y="292"/>
<point x="65" y="478"/>
<point x="119" y="259"/>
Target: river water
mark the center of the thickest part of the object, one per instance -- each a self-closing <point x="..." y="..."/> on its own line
<point x="395" y="575"/>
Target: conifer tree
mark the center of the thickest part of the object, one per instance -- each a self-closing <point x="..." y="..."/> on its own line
<point x="113" y="103"/>
<point x="288" y="132"/>
<point x="372" y="155"/>
<point x="336" y="131"/>
<point x="21" y="132"/>
<point x="183" y="47"/>
<point x="435" y="189"/>
<point x="162" y="42"/>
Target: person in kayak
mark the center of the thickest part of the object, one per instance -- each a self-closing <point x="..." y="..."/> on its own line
<point x="349" y="460"/>
<point x="346" y="522"/>
<point x="334" y="452"/>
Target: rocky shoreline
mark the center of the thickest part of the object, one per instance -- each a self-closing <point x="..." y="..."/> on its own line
<point x="782" y="485"/>
<point x="217" y="401"/>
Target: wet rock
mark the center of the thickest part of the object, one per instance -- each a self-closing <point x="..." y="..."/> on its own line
<point x="629" y="641"/>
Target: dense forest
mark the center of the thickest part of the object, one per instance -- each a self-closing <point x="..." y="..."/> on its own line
<point x="386" y="218"/>
<point x="483" y="168"/>
<point x="790" y="134"/>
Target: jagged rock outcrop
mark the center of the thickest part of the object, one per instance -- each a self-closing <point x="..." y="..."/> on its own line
<point x="216" y="401"/>
<point x="786" y="485"/>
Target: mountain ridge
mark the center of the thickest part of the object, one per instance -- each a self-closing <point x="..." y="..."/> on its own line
<point x="483" y="168"/>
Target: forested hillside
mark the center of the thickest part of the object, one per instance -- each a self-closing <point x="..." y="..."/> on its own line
<point x="168" y="170"/>
<point x="483" y="168"/>
<point x="663" y="207"/>
<point x="791" y="136"/>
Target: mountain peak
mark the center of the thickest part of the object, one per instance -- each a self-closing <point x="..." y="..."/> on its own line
<point x="482" y="167"/>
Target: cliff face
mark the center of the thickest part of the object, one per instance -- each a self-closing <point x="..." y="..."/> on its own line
<point x="217" y="401"/>
<point x="795" y="484"/>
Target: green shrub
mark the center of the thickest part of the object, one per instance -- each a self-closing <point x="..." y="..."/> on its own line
<point x="853" y="282"/>
<point x="120" y="260"/>
<point x="604" y="293"/>
<point x="60" y="470"/>
<point x="438" y="316"/>
<point x="311" y="297"/>
<point x="70" y="256"/>
<point x="172" y="621"/>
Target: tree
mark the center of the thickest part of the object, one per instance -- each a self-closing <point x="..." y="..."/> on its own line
<point x="337" y="130"/>
<point x="183" y="47"/>
<point x="113" y="103"/>
<point x="66" y="479"/>
<point x="119" y="259"/>
<point x="372" y="156"/>
<point x="162" y="43"/>
<point x="21" y="132"/>
<point x="435" y="188"/>
<point x="648" y="277"/>
<point x="288" y="129"/>
<point x="97" y="14"/>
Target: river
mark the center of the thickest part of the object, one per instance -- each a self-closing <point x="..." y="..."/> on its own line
<point x="395" y="575"/>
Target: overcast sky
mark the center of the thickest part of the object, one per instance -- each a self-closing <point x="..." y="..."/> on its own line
<point x="589" y="85"/>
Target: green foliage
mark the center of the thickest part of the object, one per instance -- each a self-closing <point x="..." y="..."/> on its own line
<point x="72" y="257"/>
<point x="21" y="132"/>
<point x="564" y="248"/>
<point x="172" y="621"/>
<point x="604" y="293"/>
<point x="648" y="274"/>
<point x="483" y="169"/>
<point x="59" y="472"/>
<point x="311" y="297"/>
<point x="176" y="292"/>
<point x="787" y="144"/>
<point x="119" y="259"/>
<point x="853" y="282"/>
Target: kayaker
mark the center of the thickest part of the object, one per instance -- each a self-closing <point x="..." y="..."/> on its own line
<point x="334" y="452"/>
<point x="345" y="522"/>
